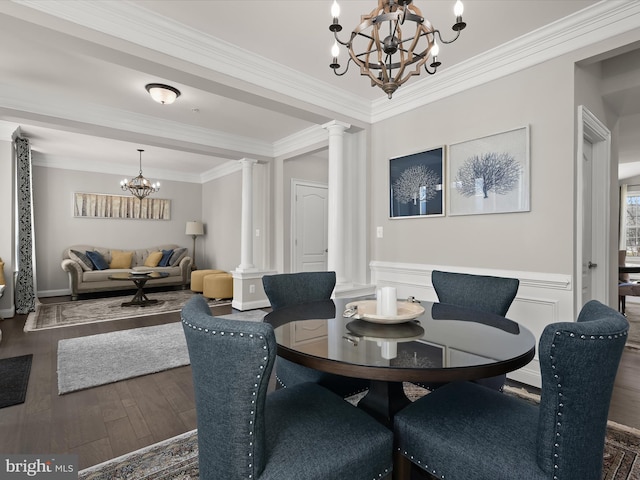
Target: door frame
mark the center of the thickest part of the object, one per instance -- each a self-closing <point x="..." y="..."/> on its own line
<point x="295" y="183"/>
<point x="592" y="129"/>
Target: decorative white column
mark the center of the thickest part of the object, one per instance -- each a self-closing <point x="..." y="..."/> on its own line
<point x="336" y="193"/>
<point x="246" y="235"/>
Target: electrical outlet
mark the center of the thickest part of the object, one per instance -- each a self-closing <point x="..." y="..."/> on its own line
<point x="379" y="232"/>
<point x="252" y="288"/>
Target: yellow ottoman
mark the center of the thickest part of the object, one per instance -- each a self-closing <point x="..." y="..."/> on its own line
<point x="218" y="285"/>
<point x="197" y="278"/>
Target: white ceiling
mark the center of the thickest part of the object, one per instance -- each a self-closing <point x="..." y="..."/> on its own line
<point x="253" y="74"/>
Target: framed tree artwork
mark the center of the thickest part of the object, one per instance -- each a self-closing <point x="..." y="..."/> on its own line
<point x="416" y="184"/>
<point x="490" y="174"/>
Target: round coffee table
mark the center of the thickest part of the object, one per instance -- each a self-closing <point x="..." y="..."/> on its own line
<point x="140" y="299"/>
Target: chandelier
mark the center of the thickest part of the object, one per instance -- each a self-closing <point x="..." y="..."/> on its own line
<point x="392" y="43"/>
<point x="139" y="186"/>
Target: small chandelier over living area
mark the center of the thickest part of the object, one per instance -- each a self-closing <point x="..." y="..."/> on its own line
<point x="392" y="43"/>
<point x="139" y="186"/>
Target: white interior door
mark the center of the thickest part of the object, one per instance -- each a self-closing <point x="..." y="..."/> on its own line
<point x="593" y="204"/>
<point x="587" y="263"/>
<point x="309" y="227"/>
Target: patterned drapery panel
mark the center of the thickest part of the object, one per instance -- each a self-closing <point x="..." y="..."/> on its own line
<point x="25" y="291"/>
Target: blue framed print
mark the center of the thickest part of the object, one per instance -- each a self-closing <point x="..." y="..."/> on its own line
<point x="416" y="184"/>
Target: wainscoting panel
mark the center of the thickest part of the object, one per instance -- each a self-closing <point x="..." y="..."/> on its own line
<point x="543" y="298"/>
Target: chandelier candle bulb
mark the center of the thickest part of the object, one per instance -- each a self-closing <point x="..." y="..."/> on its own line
<point x="458" y="9"/>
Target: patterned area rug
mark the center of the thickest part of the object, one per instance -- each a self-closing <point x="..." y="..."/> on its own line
<point x="56" y="315"/>
<point x="177" y="458"/>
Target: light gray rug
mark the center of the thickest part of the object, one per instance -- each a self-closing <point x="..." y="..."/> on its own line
<point x="65" y="314"/>
<point x="94" y="360"/>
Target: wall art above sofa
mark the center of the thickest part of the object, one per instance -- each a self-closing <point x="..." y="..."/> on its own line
<point x="97" y="205"/>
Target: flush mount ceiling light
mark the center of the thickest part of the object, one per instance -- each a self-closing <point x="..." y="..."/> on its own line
<point x="392" y="43"/>
<point x="139" y="186"/>
<point x="161" y="93"/>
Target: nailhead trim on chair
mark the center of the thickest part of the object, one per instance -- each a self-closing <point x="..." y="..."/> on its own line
<point x="424" y="466"/>
<point x="560" y="404"/>
<point x="255" y="385"/>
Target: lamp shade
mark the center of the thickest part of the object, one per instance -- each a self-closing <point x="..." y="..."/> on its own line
<point x="194" y="228"/>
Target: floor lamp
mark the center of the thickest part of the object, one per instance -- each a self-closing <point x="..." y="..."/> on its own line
<point x="194" y="229"/>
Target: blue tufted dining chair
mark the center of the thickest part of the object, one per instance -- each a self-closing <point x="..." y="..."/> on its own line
<point x="480" y="292"/>
<point x="464" y="431"/>
<point x="288" y="289"/>
<point x="300" y="432"/>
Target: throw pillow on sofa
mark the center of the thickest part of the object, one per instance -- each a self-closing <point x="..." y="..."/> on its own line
<point x="177" y="255"/>
<point x="166" y="256"/>
<point x="153" y="259"/>
<point x="98" y="261"/>
<point x="84" y="261"/>
<point x="120" y="259"/>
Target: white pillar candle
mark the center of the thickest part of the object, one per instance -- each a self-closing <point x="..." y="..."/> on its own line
<point x="389" y="302"/>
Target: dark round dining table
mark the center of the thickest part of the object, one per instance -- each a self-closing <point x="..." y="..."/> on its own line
<point x="444" y="344"/>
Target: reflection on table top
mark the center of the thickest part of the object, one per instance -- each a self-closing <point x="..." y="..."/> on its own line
<point x="139" y="276"/>
<point x="445" y="343"/>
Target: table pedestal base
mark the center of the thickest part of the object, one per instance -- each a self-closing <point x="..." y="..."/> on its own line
<point x="140" y="299"/>
<point x="384" y="400"/>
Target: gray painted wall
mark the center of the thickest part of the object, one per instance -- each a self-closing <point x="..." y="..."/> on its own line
<point x="540" y="240"/>
<point x="57" y="228"/>
<point x="221" y="213"/>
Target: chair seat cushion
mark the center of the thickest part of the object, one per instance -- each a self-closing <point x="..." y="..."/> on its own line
<point x="313" y="434"/>
<point x="477" y="432"/>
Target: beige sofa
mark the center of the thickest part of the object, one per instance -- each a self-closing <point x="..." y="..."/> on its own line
<point x="85" y="278"/>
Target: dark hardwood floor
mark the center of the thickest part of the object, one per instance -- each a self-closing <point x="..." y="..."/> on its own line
<point x="98" y="423"/>
<point x="104" y="422"/>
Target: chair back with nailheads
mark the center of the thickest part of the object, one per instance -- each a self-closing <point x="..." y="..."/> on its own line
<point x="578" y="362"/>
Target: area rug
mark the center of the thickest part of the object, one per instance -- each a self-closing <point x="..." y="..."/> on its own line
<point x="14" y="377"/>
<point x="65" y="314"/>
<point x="86" y="362"/>
<point x="177" y="459"/>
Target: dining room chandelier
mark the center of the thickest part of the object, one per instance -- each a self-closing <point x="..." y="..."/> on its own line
<point x="392" y="43"/>
<point x="139" y="186"/>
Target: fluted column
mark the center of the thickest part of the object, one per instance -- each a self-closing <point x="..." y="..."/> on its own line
<point x="336" y="195"/>
<point x="246" y="235"/>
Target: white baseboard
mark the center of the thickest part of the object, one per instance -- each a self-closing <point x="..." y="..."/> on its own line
<point x="542" y="298"/>
<point x="242" y="306"/>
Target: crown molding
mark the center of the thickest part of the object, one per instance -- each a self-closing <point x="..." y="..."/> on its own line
<point x="223" y="170"/>
<point x="134" y="23"/>
<point x="301" y="140"/>
<point x="603" y="20"/>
